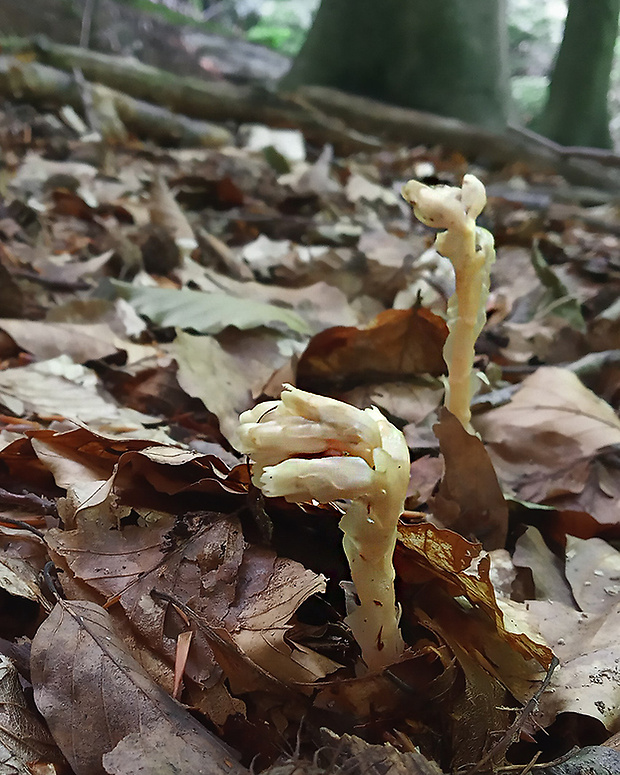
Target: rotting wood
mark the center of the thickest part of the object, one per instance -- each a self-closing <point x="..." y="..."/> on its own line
<point x="43" y="85"/>
<point x="325" y="115"/>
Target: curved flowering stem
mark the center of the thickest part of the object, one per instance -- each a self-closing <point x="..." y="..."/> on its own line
<point x="365" y="460"/>
<point x="470" y="250"/>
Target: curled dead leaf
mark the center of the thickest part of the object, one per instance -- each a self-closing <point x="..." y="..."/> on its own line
<point x="398" y="344"/>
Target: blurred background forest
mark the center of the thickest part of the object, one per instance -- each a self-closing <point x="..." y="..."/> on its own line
<point x="509" y="52"/>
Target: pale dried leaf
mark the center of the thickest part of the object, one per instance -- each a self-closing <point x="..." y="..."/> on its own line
<point x="48" y="340"/>
<point x="551" y="421"/>
<point x="593" y="572"/>
<point x="588" y="647"/>
<point x="208" y="372"/>
<point x="547" y="570"/>
<point x="19" y="578"/>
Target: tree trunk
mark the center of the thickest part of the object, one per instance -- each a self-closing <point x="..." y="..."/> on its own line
<point x="576" y="112"/>
<point x="446" y="57"/>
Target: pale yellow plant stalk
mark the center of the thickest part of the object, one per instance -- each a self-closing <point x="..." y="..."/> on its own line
<point x="365" y="463"/>
<point x="470" y="250"/>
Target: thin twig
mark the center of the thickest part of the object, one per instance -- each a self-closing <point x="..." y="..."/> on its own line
<point x="87" y="23"/>
<point x="22" y="525"/>
<point x="515" y="728"/>
<point x="29" y="500"/>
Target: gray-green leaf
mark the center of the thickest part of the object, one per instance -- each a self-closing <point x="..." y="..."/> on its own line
<point x="206" y="313"/>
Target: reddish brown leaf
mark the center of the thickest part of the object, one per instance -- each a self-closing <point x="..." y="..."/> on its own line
<point x="425" y="552"/>
<point x="470" y="499"/>
<point x="398" y="344"/>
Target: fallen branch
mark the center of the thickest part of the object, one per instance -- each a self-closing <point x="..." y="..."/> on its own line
<point x="41" y="84"/>
<point x="491" y="148"/>
<point x="325" y="115"/>
<point x="215" y="100"/>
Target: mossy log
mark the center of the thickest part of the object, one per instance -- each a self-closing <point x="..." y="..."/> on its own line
<point x="323" y="114"/>
<point x="43" y="85"/>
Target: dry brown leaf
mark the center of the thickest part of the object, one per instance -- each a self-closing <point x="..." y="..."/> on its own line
<point x="426" y="552"/>
<point x="156" y="751"/>
<point x="19" y="578"/>
<point x="61" y="388"/>
<point x="469" y="499"/>
<point x="245" y="591"/>
<point x="587" y="646"/>
<point x="23" y="737"/>
<point x="580" y="624"/>
<point x="48" y="340"/>
<point x="480" y="707"/>
<point x="412" y="402"/>
<point x="93" y="694"/>
<point x="547" y="570"/>
<point x="593" y="572"/>
<point x="553" y="419"/>
<point x="389" y="265"/>
<point x="95" y="469"/>
<point x="208" y="372"/>
<point x="398" y="344"/>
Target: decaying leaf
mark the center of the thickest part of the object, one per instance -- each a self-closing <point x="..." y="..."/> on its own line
<point x="246" y="591"/>
<point x="94" y="468"/>
<point x="62" y="388"/>
<point x="47" y="340"/>
<point x="398" y="344"/>
<point x="469" y="499"/>
<point x="93" y="694"/>
<point x="23" y="737"/>
<point x="208" y="372"/>
<point x="576" y="611"/>
<point x="548" y="444"/>
<point x="547" y="569"/>
<point x="551" y="420"/>
<point x="463" y="570"/>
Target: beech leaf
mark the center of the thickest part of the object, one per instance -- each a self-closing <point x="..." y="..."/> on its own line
<point x="93" y="694"/>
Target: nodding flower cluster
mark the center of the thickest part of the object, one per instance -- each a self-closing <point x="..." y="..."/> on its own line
<point x="359" y="458"/>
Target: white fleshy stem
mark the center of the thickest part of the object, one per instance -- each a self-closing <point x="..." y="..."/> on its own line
<point x="470" y="250"/>
<point x="366" y="462"/>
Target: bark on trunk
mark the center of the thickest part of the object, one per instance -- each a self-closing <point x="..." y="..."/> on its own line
<point x="576" y="112"/>
<point x="447" y="57"/>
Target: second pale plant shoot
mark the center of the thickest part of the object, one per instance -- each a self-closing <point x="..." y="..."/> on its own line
<point x="470" y="250"/>
<point x="307" y="447"/>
